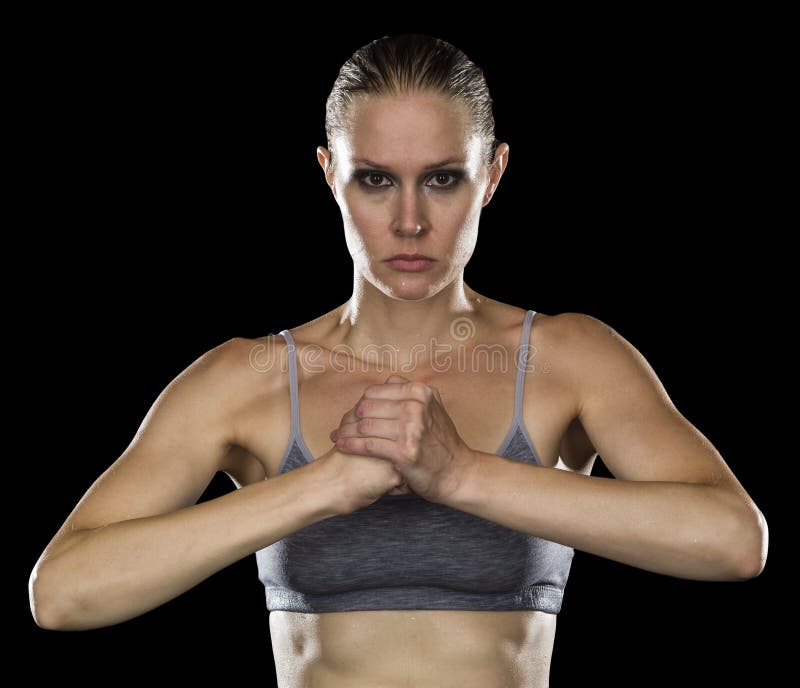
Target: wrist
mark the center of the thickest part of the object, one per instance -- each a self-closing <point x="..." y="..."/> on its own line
<point x="327" y="488"/>
<point x="465" y="476"/>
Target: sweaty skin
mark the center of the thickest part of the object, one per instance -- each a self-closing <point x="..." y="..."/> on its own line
<point x="227" y="414"/>
<point x="425" y="648"/>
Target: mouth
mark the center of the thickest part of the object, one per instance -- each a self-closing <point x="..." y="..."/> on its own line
<point x="410" y="262"/>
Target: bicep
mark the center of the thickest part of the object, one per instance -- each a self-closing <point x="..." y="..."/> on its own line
<point x="630" y="418"/>
<point x="179" y="446"/>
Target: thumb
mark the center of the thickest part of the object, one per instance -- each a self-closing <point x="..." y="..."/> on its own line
<point x="397" y="378"/>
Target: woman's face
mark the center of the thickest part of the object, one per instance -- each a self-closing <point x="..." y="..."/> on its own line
<point x="409" y="177"/>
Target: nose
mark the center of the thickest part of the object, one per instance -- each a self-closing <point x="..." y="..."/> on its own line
<point x="409" y="213"/>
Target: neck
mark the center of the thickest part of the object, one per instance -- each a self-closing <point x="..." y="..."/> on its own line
<point x="403" y="334"/>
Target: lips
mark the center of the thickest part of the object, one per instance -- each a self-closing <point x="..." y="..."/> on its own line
<point x="410" y="256"/>
<point x="410" y="262"/>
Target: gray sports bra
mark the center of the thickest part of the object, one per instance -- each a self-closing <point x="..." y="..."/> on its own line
<point x="404" y="552"/>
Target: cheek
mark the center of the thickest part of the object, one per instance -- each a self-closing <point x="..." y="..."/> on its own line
<point x="466" y="234"/>
<point x="368" y="214"/>
<point x="364" y="221"/>
<point x="458" y="220"/>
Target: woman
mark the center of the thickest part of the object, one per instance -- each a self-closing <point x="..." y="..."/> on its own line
<point x="413" y="466"/>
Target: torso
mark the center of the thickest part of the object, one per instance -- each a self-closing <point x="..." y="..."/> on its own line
<point x="423" y="648"/>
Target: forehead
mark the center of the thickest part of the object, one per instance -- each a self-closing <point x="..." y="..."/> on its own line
<point x="410" y="129"/>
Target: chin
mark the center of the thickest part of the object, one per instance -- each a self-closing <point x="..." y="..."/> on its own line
<point x="414" y="288"/>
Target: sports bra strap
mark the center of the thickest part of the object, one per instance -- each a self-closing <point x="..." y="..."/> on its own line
<point x="292" y="382"/>
<point x="522" y="360"/>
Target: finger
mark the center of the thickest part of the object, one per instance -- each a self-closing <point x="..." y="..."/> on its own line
<point x="369" y="446"/>
<point x="379" y="408"/>
<point x="397" y="379"/>
<point x="350" y="415"/>
<point x="369" y="427"/>
<point x="353" y="415"/>
<point x="404" y="390"/>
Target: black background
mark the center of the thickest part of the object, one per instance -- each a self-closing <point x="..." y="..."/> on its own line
<point x="173" y="200"/>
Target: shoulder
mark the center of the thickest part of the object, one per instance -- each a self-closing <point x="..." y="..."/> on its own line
<point x="236" y="369"/>
<point x="570" y="324"/>
<point x="547" y="329"/>
<point x="576" y="345"/>
<point x="593" y="355"/>
<point x="578" y="334"/>
<point x="229" y="359"/>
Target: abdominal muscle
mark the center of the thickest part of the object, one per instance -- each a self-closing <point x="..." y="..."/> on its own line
<point x="419" y="648"/>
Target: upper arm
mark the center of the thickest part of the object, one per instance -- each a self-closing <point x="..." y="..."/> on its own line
<point x="180" y="445"/>
<point x="628" y="415"/>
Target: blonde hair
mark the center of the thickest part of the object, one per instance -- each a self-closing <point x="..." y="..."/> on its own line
<point x="409" y="62"/>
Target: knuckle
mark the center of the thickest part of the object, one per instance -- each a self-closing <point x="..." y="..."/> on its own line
<point x="411" y="452"/>
<point x="364" y="425"/>
<point x="411" y="407"/>
<point x="419" y="389"/>
<point x="413" y="431"/>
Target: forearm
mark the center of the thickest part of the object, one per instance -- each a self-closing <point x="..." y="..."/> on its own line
<point x="106" y="575"/>
<point x="688" y="530"/>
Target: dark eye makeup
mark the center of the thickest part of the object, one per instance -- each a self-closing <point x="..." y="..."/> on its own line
<point x="367" y="178"/>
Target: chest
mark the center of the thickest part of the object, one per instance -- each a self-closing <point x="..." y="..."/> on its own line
<point x="481" y="405"/>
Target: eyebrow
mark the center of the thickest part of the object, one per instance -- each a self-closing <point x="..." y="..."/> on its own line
<point x="441" y="163"/>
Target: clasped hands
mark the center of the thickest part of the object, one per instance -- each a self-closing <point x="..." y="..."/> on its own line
<point x="405" y="422"/>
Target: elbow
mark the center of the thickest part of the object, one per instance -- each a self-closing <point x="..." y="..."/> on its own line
<point x="47" y="600"/>
<point x="751" y="546"/>
<point x="41" y="600"/>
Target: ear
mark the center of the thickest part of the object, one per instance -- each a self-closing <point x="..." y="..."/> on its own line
<point x="324" y="159"/>
<point x="496" y="170"/>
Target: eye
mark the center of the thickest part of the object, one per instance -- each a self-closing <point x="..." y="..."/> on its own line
<point x="441" y="179"/>
<point x="372" y="179"/>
